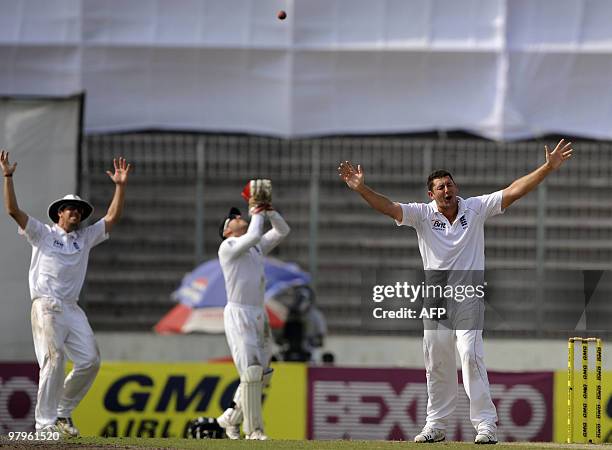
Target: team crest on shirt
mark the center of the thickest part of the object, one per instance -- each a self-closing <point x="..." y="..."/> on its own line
<point x="76" y="245"/>
<point x="438" y="225"/>
<point x="58" y="244"/>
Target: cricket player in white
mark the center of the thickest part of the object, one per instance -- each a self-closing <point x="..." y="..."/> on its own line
<point x="59" y="326"/>
<point x="450" y="233"/>
<point x="246" y="323"/>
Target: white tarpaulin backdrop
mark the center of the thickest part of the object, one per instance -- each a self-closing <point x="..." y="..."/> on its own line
<point x="42" y="137"/>
<point x="502" y="69"/>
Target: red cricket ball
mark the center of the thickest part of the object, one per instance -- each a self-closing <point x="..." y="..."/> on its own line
<point x="282" y="15"/>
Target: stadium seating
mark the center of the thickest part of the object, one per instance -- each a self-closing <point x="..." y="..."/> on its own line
<point x="565" y="228"/>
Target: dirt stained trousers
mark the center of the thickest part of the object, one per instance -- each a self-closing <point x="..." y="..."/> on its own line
<point x="248" y="336"/>
<point x="61" y="331"/>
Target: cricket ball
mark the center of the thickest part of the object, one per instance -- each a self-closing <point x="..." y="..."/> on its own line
<point x="282" y="15"/>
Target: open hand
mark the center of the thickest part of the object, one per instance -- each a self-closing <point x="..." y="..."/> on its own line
<point x="354" y="178"/>
<point x="561" y="152"/>
<point x="7" y="168"/>
<point x="122" y="169"/>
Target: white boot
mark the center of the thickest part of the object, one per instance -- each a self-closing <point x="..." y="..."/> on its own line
<point x="430" y="435"/>
<point x="66" y="426"/>
<point x="257" y="435"/>
<point x="230" y="421"/>
<point x="486" y="437"/>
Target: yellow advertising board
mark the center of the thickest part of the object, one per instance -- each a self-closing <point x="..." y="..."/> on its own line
<point x="159" y="399"/>
<point x="560" y="406"/>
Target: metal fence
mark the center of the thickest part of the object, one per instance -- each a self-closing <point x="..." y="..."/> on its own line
<point x="184" y="183"/>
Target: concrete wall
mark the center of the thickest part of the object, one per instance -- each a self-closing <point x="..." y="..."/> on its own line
<point x="500" y="354"/>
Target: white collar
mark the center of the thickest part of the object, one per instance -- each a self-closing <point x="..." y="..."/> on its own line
<point x="59" y="230"/>
<point x="460" y="207"/>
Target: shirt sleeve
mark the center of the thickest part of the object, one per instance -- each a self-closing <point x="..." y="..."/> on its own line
<point x="234" y="247"/>
<point x="490" y="204"/>
<point x="96" y="233"/>
<point x="34" y="231"/>
<point x="412" y="214"/>
<point x="273" y="237"/>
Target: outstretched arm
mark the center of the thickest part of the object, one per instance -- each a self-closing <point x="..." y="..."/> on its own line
<point x="10" y="200"/>
<point x="122" y="169"/>
<point x="354" y="179"/>
<point x="526" y="184"/>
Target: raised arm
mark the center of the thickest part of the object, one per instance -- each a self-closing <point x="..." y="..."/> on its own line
<point x="354" y="179"/>
<point x="237" y="246"/>
<point x="10" y="200"/>
<point x="119" y="177"/>
<point x="526" y="184"/>
<point x="279" y="231"/>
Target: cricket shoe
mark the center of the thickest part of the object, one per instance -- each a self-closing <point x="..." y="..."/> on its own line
<point x="257" y="435"/>
<point x="50" y="429"/>
<point x="486" y="437"/>
<point x="65" y="425"/>
<point x="430" y="435"/>
<point x="232" y="431"/>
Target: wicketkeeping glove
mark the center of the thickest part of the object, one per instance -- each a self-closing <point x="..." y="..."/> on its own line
<point x="258" y="192"/>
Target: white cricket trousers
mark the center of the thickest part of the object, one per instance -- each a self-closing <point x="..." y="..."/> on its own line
<point x="442" y="383"/>
<point x="248" y="335"/>
<point x="60" y="331"/>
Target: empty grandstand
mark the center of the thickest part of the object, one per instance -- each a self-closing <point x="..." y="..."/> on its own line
<point x="183" y="183"/>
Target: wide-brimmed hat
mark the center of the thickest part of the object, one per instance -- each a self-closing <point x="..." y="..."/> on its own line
<point x="69" y="199"/>
<point x="232" y="214"/>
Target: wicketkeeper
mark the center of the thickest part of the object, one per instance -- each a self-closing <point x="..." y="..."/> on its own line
<point x="246" y="323"/>
<point x="60" y="329"/>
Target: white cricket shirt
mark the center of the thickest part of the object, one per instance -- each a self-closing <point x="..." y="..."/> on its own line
<point x="459" y="246"/>
<point x="242" y="262"/>
<point x="59" y="259"/>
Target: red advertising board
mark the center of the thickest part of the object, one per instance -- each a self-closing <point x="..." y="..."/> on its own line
<point x="357" y="403"/>
<point x="18" y="388"/>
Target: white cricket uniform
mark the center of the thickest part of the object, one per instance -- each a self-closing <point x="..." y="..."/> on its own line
<point x="458" y="246"/>
<point x="246" y="323"/>
<point x="59" y="326"/>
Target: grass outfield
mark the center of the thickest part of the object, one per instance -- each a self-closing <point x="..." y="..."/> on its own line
<point x="90" y="443"/>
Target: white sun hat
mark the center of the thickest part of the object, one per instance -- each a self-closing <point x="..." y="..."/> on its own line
<point x="73" y="200"/>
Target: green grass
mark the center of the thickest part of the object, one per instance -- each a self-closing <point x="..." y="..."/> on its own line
<point x="96" y="442"/>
